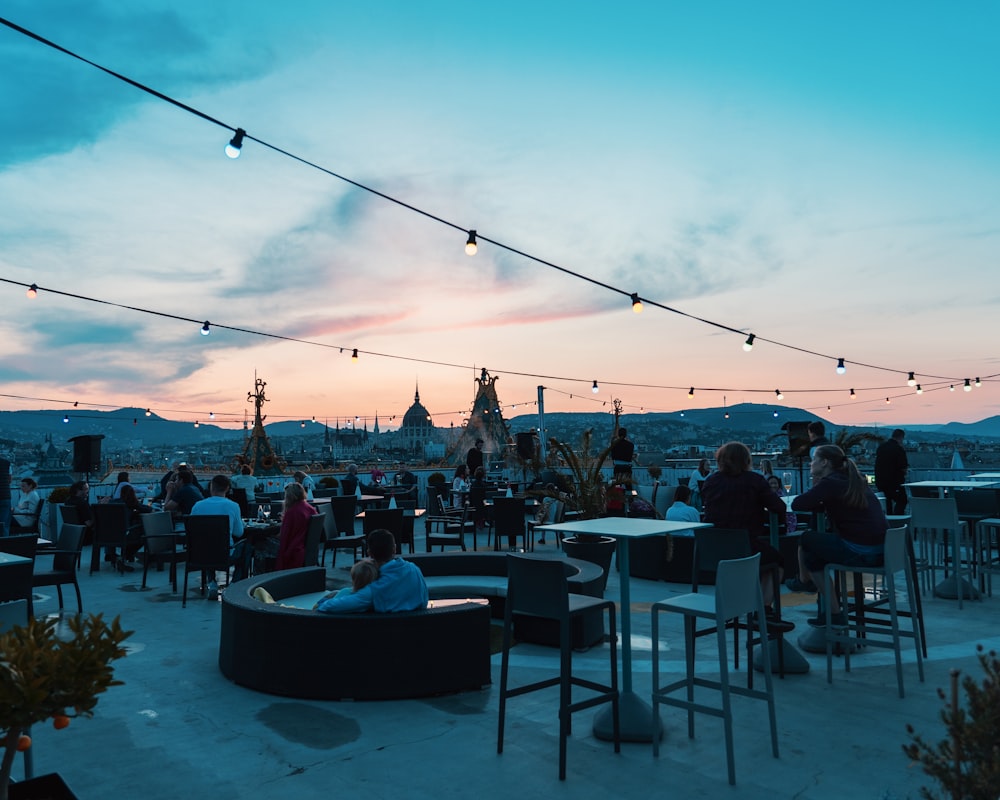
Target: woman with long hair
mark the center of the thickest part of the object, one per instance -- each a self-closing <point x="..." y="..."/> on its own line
<point x="294" y="525"/>
<point x="857" y="518"/>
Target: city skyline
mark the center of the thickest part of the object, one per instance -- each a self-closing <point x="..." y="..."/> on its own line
<point x="823" y="176"/>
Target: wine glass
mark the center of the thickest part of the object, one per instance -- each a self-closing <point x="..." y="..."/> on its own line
<point x="786" y="480"/>
<point x="267" y="512"/>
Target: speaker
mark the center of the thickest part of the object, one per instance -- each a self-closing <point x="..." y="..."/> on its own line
<point x="798" y="438"/>
<point x="87" y="453"/>
<point x="526" y="445"/>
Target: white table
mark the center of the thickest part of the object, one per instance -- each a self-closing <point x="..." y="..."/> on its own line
<point x="636" y="714"/>
<point x="985" y="476"/>
<point x="941" y="486"/>
<point x="10" y="558"/>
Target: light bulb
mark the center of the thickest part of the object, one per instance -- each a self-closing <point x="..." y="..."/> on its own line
<point x="636" y="303"/>
<point x="779" y="395"/>
<point x="951" y="388"/>
<point x="354" y="355"/>
<point x="748" y="344"/>
<point x="594" y="388"/>
<point x="32" y="291"/>
<point x="302" y="424"/>
<point x="65" y="417"/>
<point x="235" y="145"/>
<point x="920" y="389"/>
<point x="206" y="329"/>
<point x="887" y="401"/>
<point x="471" y="248"/>
<point x="968" y="386"/>
<point x="852" y="394"/>
<point x="149" y="413"/>
<point x="691" y="392"/>
<point x="197" y="424"/>
<point x="978" y="383"/>
<point x="841" y="369"/>
<point x="910" y="380"/>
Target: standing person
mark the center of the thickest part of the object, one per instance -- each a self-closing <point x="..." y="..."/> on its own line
<point x="816" y="431"/>
<point x="27" y="505"/>
<point x="246" y="481"/>
<point x="737" y="497"/>
<point x="5" y="469"/>
<point x="307" y="483"/>
<point x="294" y="526"/>
<point x="400" y="585"/>
<point x="841" y="491"/>
<point x="891" y="466"/>
<point x="217" y="503"/>
<point x="474" y="458"/>
<point x="622" y="454"/>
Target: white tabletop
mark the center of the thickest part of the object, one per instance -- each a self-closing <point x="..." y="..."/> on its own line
<point x="985" y="476"/>
<point x="623" y="527"/>
<point x="951" y="484"/>
<point x="10" y="558"/>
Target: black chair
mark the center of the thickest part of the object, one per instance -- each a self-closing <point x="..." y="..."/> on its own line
<point x="207" y="549"/>
<point x="161" y="544"/>
<point x="713" y="545"/>
<point x="240" y="498"/>
<point x="110" y="531"/>
<point x="65" y="557"/>
<point x="537" y="587"/>
<point x="446" y="527"/>
<point x="339" y="529"/>
<point x="509" y="521"/>
<point x="31" y="526"/>
<point x="70" y="516"/>
<point x="16" y="584"/>
<point x="391" y="519"/>
<point x="314" y="536"/>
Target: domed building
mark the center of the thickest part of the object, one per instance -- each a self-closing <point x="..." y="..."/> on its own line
<point x="417" y="429"/>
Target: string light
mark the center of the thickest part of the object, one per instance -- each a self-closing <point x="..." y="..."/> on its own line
<point x="887" y="401"/>
<point x="748" y="344"/>
<point x="841" y="369"/>
<point x="691" y="392"/>
<point x="978" y="383"/>
<point x="471" y="248"/>
<point x="911" y="381"/>
<point x="951" y="388"/>
<point x="853" y="396"/>
<point x="149" y="413"/>
<point x="779" y="395"/>
<point x="235" y="146"/>
<point x="594" y="388"/>
<point x="920" y="389"/>
<point x="302" y="424"/>
<point x="211" y="415"/>
<point x="32" y="291"/>
<point x="197" y="424"/>
<point x="65" y="417"/>
<point x="636" y="303"/>
<point x="206" y="329"/>
<point x="968" y="386"/>
<point x="354" y="355"/>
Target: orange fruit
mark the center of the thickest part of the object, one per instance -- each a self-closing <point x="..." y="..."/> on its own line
<point x="60" y="721"/>
<point x="23" y="742"/>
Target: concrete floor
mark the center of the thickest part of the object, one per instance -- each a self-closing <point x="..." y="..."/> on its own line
<point x="177" y="728"/>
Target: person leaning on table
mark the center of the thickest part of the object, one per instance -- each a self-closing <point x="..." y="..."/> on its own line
<point x="400" y="585"/>
<point x="857" y="516"/>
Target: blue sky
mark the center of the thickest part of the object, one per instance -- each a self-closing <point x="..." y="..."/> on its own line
<point x="823" y="175"/>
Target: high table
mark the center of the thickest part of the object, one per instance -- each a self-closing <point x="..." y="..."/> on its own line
<point x="636" y="715"/>
<point x="941" y="486"/>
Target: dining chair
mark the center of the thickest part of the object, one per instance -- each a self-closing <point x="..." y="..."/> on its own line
<point x="537" y="587"/>
<point x="943" y="544"/>
<point x="65" y="557"/>
<point x="737" y="594"/>
<point x="161" y="544"/>
<point x="208" y="550"/>
<point x="314" y="537"/>
<point x="340" y="527"/>
<point x="110" y="532"/>
<point x="509" y="521"/>
<point x="16" y="583"/>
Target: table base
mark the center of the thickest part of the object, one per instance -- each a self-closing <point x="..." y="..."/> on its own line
<point x="795" y="662"/>
<point x="635" y="720"/>
<point x="948" y="590"/>
<point x="814" y="641"/>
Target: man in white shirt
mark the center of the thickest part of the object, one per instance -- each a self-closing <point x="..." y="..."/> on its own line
<point x="217" y="503"/>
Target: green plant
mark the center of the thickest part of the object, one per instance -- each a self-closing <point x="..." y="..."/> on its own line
<point x="436" y="478"/>
<point x="58" y="495"/>
<point x="329" y="482"/>
<point x="967" y="764"/>
<point x="588" y="491"/>
<point x="654" y="472"/>
<point x="43" y="676"/>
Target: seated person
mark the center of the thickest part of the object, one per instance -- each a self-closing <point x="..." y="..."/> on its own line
<point x="218" y="504"/>
<point x="123" y="481"/>
<point x="294" y="526"/>
<point x="400" y="585"/>
<point x="363" y="572"/>
<point x="181" y="494"/>
<point x="349" y="483"/>
<point x="245" y="481"/>
<point x="135" y="509"/>
<point x="24" y="511"/>
<point x="79" y="499"/>
<point x="681" y="511"/>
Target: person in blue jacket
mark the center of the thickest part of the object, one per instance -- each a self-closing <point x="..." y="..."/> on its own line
<point x="399" y="587"/>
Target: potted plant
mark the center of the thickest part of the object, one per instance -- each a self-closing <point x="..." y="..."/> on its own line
<point x="43" y="676"/>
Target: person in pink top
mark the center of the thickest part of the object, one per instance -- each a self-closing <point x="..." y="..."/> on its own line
<point x="294" y="524"/>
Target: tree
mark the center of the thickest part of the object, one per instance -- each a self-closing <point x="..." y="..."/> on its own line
<point x="588" y="492"/>
<point x="43" y="676"/>
<point x="847" y="440"/>
<point x="967" y="764"/>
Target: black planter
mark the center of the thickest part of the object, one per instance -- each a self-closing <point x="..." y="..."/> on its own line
<point x="600" y="551"/>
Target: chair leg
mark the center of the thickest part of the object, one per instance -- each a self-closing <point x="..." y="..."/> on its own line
<point x="565" y="696"/>
<point x="184" y="594"/>
<point x="504" y="664"/>
<point x="655" y="636"/>
<point x="727" y="712"/>
<point x="79" y="599"/>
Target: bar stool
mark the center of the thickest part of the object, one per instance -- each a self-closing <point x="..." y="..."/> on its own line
<point x="860" y="625"/>
<point x="537" y="587"/>
<point x="737" y="594"/>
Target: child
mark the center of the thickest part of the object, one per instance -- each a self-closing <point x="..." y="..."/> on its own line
<point x="362" y="573"/>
